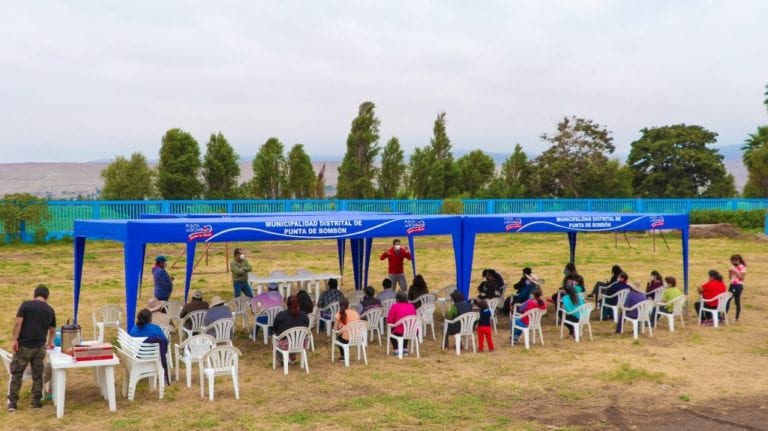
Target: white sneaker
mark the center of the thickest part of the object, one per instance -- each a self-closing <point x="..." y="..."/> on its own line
<point x="405" y="353"/>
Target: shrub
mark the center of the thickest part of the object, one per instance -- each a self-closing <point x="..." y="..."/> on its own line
<point x="751" y="219"/>
<point x="452" y="206"/>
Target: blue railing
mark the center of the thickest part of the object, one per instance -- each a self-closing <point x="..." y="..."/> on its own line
<point x="64" y="213"/>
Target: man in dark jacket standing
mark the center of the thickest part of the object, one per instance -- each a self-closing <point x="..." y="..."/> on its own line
<point x="34" y="320"/>
<point x="163" y="281"/>
<point x="395" y="256"/>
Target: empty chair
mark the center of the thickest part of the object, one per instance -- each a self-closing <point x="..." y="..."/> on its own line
<point x="427" y="314"/>
<point x="722" y="301"/>
<point x="620" y="296"/>
<point x="190" y="351"/>
<point x="466" y="331"/>
<point x="221" y="330"/>
<point x="412" y="328"/>
<point x="278" y="274"/>
<point x="219" y="361"/>
<point x="386" y="304"/>
<point x="355" y="297"/>
<point x="677" y="311"/>
<point x="293" y="340"/>
<point x="140" y="361"/>
<point x="329" y="310"/>
<point x="357" y="332"/>
<point x="196" y="320"/>
<point x="270" y="314"/>
<point x="643" y="309"/>
<point x="241" y="307"/>
<point x="584" y="312"/>
<point x="534" y="324"/>
<point x="108" y="316"/>
<point x="374" y="317"/>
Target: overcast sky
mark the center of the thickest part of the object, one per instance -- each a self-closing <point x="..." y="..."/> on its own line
<point x="86" y="80"/>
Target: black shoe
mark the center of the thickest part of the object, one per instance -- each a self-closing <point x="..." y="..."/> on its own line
<point x="11" y="406"/>
<point x="37" y="404"/>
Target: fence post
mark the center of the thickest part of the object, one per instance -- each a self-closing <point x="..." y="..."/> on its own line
<point x="393" y="206"/>
<point x="96" y="211"/>
<point x="734" y="204"/>
<point x="165" y="207"/>
<point x="589" y="204"/>
<point x="539" y="205"/>
<point x="490" y="206"/>
<point x="343" y="205"/>
<point x="639" y="205"/>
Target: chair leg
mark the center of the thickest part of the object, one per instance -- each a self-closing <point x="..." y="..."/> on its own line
<point x="365" y="355"/>
<point x="235" y="383"/>
<point x="306" y="361"/>
<point x="400" y="348"/>
<point x="458" y="344"/>
<point x="285" y="362"/>
<point x="346" y="355"/>
<point x="188" y="369"/>
<point x="577" y="331"/>
<point x="527" y="339"/>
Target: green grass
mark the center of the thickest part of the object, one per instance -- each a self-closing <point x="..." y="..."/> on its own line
<point x="628" y="374"/>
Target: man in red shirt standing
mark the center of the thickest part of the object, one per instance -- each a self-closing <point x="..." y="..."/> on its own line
<point x="395" y="256"/>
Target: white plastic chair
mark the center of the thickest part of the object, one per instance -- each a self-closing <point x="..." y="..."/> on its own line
<point x="312" y="323"/>
<point x="643" y="318"/>
<point x="168" y="331"/>
<point x="534" y="324"/>
<point x="426" y="298"/>
<point x="222" y="331"/>
<point x="196" y="320"/>
<point x="296" y="338"/>
<point x="493" y="304"/>
<point x="677" y="310"/>
<point x="173" y="308"/>
<point x="313" y="288"/>
<point x="190" y="351"/>
<point x="357" y="332"/>
<point x="269" y="313"/>
<point x="331" y="310"/>
<point x="656" y="295"/>
<point x="585" y="311"/>
<point x="108" y="316"/>
<point x="355" y="297"/>
<point x="219" y="361"/>
<point x="722" y="301"/>
<point x="620" y="296"/>
<point x="374" y="318"/>
<point x="240" y="308"/>
<point x="412" y="328"/>
<point x="140" y="361"/>
<point x="467" y="325"/>
<point x="559" y="306"/>
<point x="444" y="297"/>
<point x="427" y="314"/>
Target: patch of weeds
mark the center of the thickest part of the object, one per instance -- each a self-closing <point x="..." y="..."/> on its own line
<point x="684" y="397"/>
<point x="89" y="256"/>
<point x="696" y="339"/>
<point x="126" y="423"/>
<point x="205" y="423"/>
<point x="761" y="351"/>
<point x="572" y="395"/>
<point x="629" y="375"/>
<point x="301" y="418"/>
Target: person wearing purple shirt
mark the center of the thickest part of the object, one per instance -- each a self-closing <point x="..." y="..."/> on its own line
<point x="634" y="297"/>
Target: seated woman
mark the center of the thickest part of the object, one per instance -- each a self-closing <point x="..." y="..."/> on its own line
<point x="708" y="291"/>
<point x="145" y="328"/>
<point x="459" y="307"/>
<point x="670" y="293"/>
<point x="615" y="272"/>
<point x="614" y="288"/>
<point x="656" y="281"/>
<point x="291" y="317"/>
<point x="523" y="290"/>
<point x="490" y="287"/>
<point x="341" y="319"/>
<point x="634" y="297"/>
<point x="369" y="301"/>
<point x="418" y="288"/>
<point x="305" y="302"/>
<point x="401" y="308"/>
<point x="571" y="301"/>
<point x="535" y="302"/>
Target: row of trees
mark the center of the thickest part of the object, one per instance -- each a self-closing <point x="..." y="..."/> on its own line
<point x="667" y="161"/>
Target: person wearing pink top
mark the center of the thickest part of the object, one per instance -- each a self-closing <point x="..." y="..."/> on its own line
<point x="267" y="299"/>
<point x="401" y="308"/>
<point x="737" y="274"/>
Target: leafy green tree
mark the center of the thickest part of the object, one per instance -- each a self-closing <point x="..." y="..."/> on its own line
<point x="269" y="170"/>
<point x="515" y="177"/>
<point x="476" y="170"/>
<point x="178" y="173"/>
<point x="320" y="184"/>
<point x="357" y="170"/>
<point x="300" y="175"/>
<point x="443" y="174"/>
<point x="128" y="179"/>
<point x="765" y="102"/>
<point x="22" y="212"/>
<point x="220" y="168"/>
<point x="392" y="170"/>
<point x="579" y="150"/>
<point x="674" y="161"/>
<point x="418" y="172"/>
<point x="755" y="158"/>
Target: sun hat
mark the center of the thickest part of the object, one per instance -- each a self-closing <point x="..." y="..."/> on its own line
<point x="154" y="304"/>
<point x="160" y="259"/>
<point x="216" y="300"/>
<point x="197" y="295"/>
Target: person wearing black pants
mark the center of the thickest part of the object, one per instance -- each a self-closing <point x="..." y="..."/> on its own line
<point x="737" y="274"/>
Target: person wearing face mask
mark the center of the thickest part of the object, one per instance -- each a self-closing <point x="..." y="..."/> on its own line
<point x="395" y="256"/>
<point x="240" y="269"/>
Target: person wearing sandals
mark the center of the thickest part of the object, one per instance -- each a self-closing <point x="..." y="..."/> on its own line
<point x="736" y="274"/>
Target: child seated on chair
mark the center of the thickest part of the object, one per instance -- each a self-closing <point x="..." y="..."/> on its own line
<point x="535" y="302"/>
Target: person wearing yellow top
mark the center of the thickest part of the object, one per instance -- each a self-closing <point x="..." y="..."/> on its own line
<point x="670" y="293"/>
<point x="342" y="318"/>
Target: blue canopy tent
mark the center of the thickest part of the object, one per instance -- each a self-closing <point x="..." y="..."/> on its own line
<point x="570" y="222"/>
<point x="360" y="229"/>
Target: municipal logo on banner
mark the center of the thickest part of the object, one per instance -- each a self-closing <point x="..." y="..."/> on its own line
<point x="512" y="223"/>
<point x="196" y="231"/>
<point x="414" y="226"/>
<point x="657" y="222"/>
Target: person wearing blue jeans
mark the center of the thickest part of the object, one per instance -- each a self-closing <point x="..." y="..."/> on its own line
<point x="240" y="269"/>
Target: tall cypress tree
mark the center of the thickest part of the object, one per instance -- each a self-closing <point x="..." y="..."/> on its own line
<point x="356" y="172"/>
<point x="269" y="170"/>
<point x="220" y="168"/>
<point x="178" y="173"/>
<point x="301" y="175"/>
<point x="392" y="170"/>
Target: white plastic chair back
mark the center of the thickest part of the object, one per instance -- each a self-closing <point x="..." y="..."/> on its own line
<point x="621" y="297"/>
<point x="722" y="301"/>
<point x="355" y="297"/>
<point x="374" y="317"/>
<point x="220" y="361"/>
<point x="386" y="305"/>
<point x="7" y="358"/>
<point x="330" y="310"/>
<point x="222" y="330"/>
<point x="240" y="307"/>
<point x="427" y="298"/>
<point x="466" y="323"/>
<point x="427" y="314"/>
<point x="677" y="310"/>
<point x="105" y="317"/>
<point x="444" y="296"/>
<point x="493" y="304"/>
<point x="295" y="338"/>
<point x="657" y="294"/>
<point x="173" y="308"/>
<point x="196" y="320"/>
<point x="411" y="326"/>
<point x="190" y="351"/>
<point x="534" y="324"/>
<point x="278" y="274"/>
<point x="585" y="311"/>
<point x="269" y="313"/>
<point x="304" y="273"/>
<point x="643" y="318"/>
<point x="357" y="332"/>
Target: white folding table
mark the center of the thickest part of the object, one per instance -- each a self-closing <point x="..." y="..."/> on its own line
<point x="258" y="283"/>
<point x="104" y="372"/>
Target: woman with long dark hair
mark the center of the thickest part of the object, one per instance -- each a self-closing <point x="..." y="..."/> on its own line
<point x="572" y="301"/>
<point x="737" y="274"/>
<point x="343" y="318"/>
<point x="709" y="291"/>
<point x="291" y="317"/>
<point x="418" y="288"/>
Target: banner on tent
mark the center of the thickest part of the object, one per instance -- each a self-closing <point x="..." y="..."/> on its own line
<point x="583" y="222"/>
